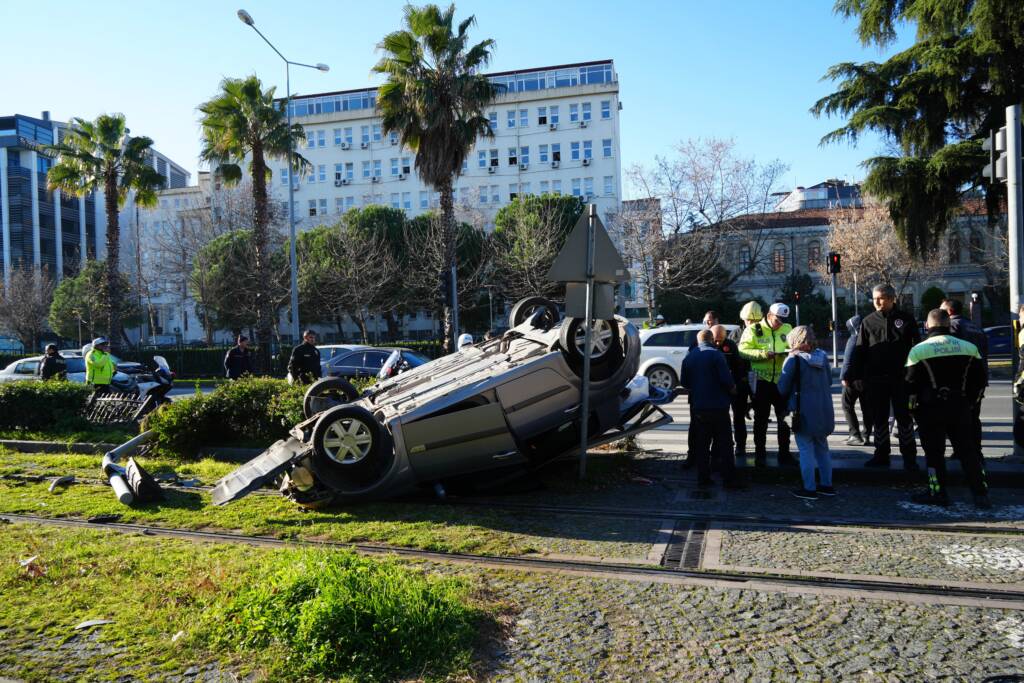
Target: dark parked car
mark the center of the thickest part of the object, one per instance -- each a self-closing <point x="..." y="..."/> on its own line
<point x="365" y="361"/>
<point x="1000" y="340"/>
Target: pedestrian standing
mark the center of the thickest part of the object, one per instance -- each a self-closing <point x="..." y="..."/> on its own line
<point x="304" y="363"/>
<point x="764" y="345"/>
<point x="851" y="395"/>
<point x="711" y="319"/>
<point x="99" y="367"/>
<point x="738" y="369"/>
<point x="706" y="375"/>
<point x="945" y="379"/>
<point x="238" y="360"/>
<point x="806" y="384"/>
<point x="52" y="364"/>
<point x="876" y="367"/>
<point x="964" y="328"/>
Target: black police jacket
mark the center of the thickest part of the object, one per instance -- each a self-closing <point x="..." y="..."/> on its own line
<point x="738" y="366"/>
<point x="944" y="370"/>
<point x="53" y="366"/>
<point x="237" y="362"/>
<point x="883" y="342"/>
<point x="304" y="364"/>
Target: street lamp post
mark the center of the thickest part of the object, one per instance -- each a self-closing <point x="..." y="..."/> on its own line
<point x="247" y="19"/>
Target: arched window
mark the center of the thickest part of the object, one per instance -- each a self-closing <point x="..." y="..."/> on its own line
<point x="779" y="258"/>
<point x="977" y="247"/>
<point x="745" y="258"/>
<point x="813" y="255"/>
<point x="954" y="248"/>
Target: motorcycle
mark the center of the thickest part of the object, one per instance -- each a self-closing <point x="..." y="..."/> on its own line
<point x="162" y="381"/>
<point x="394" y="365"/>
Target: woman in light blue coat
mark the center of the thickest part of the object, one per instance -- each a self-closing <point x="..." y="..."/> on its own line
<point x="806" y="384"/>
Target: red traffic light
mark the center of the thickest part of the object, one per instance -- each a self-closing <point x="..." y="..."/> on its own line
<point x="834" y="262"/>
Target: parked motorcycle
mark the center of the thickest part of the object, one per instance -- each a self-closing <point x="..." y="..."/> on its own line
<point x="159" y="383"/>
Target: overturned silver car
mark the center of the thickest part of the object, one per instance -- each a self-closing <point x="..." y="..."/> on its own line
<point x="487" y="413"/>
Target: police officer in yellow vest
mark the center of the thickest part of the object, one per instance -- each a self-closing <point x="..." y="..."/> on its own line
<point x="764" y="345"/>
<point x="99" y="366"/>
<point x="945" y="378"/>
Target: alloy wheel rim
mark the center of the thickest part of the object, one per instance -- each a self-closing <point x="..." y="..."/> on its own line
<point x="661" y="379"/>
<point x="347" y="441"/>
<point x="600" y="338"/>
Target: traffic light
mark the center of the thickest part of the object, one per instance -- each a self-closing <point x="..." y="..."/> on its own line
<point x="995" y="169"/>
<point x="796" y="297"/>
<point x="834" y="262"/>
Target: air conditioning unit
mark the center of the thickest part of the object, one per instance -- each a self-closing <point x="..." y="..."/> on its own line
<point x="583" y="124"/>
<point x="401" y="176"/>
<point x="375" y="179"/>
<point x="364" y="145"/>
<point x="491" y="170"/>
<point x="523" y="167"/>
<point x="586" y="162"/>
<point x="338" y="183"/>
<point x="345" y="181"/>
<point x="555" y="164"/>
<point x="553" y="126"/>
<point x="345" y="145"/>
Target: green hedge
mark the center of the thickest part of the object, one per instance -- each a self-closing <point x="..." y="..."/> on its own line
<point x="43" y="406"/>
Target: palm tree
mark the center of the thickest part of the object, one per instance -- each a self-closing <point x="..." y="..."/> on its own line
<point x="243" y="122"/>
<point x="434" y="99"/>
<point x="100" y="154"/>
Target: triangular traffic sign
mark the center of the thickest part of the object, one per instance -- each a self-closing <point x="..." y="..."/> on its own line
<point x="571" y="263"/>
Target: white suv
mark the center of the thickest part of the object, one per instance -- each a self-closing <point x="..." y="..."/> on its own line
<point x="664" y="348"/>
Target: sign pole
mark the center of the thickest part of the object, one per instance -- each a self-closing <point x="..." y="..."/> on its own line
<point x="1014" y="220"/>
<point x="835" y="340"/>
<point x="587" y="339"/>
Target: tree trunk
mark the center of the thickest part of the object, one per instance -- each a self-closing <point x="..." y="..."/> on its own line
<point x="448" y="237"/>
<point x="264" y="309"/>
<point x="361" y="322"/>
<point x="392" y="323"/>
<point x="113" y="296"/>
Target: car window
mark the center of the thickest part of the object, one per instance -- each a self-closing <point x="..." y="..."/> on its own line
<point x="661" y="339"/>
<point x="29" y="367"/>
<point x="75" y="365"/>
<point x="349" y="361"/>
<point x="375" y="359"/>
<point x="414" y="359"/>
<point x="686" y="338"/>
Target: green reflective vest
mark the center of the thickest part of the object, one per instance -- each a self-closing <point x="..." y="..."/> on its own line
<point x="757" y="341"/>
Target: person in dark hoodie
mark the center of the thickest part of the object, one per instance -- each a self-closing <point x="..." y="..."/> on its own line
<point x="806" y="385"/>
<point x="851" y="395"/>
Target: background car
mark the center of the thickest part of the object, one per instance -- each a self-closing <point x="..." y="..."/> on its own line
<point x="665" y="347"/>
<point x="1000" y="340"/>
<point x="363" y="361"/>
<point x="25" y="369"/>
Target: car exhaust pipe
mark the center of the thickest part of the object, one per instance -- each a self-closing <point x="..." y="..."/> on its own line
<point x="115" y="473"/>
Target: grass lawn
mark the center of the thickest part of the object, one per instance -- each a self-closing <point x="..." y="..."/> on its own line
<point x="274" y="614"/>
<point x="94" y="435"/>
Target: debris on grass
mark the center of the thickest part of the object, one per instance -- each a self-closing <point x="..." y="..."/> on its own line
<point x="59" y="482"/>
<point x="93" y="622"/>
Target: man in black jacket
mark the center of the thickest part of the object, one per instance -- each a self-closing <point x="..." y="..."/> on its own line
<point x="53" y="364"/>
<point x="964" y="328"/>
<point x="945" y="377"/>
<point x="876" y="368"/>
<point x="857" y="436"/>
<point x="304" y="364"/>
<point x="739" y="369"/>
<point x="238" y="359"/>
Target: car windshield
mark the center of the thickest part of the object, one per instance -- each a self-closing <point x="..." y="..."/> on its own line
<point x="75" y="364"/>
<point x="414" y="359"/>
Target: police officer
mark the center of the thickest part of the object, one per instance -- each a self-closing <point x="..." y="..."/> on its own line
<point x="238" y="359"/>
<point x="99" y="367"/>
<point x="738" y="368"/>
<point x="964" y="328"/>
<point x="764" y="346"/>
<point x="53" y="364"/>
<point x="945" y="378"/>
<point x="876" y="369"/>
<point x="304" y="363"/>
<point x="851" y="396"/>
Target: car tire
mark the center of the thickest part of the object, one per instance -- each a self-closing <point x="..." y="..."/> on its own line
<point x="662" y="377"/>
<point x="606" y="345"/>
<point x="349" y="442"/>
<point x="327" y="393"/>
<point x="524" y="309"/>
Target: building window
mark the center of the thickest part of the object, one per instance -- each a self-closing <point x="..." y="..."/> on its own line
<point x="377" y="168"/>
<point x="323" y="206"/>
<point x="310" y="140"/>
<point x="321" y="172"/>
<point x="542" y="116"/>
<point x="545" y="187"/>
<point x="407" y="165"/>
<point x="311" y="178"/>
<point x="574" y="113"/>
<point x="813" y="255"/>
<point x="977" y="247"/>
<point x="511" y="118"/>
<point x="348" y="135"/>
<point x="424" y="199"/>
<point x="745" y="263"/>
<point x="576" y="187"/>
<point x="337" y="136"/>
<point x="588" y="149"/>
<point x="394" y="166"/>
<point x="339" y="204"/>
<point x="395" y="201"/>
<point x="364" y="134"/>
<point x="376" y="132"/>
<point x="464" y="195"/>
<point x="393" y="137"/>
<point x="513" y="191"/>
<point x="556" y="187"/>
<point x="606" y="109"/>
<point x="554" y="113"/>
<point x="609" y="185"/>
<point x="482" y="158"/>
<point x="349" y="202"/>
<point x="339" y="171"/>
<point x="524" y="118"/>
<point x="779" y="258"/>
<point x="524" y="155"/>
<point x="284" y="176"/>
<point x="495" y="195"/>
<point x="492" y="118"/>
<point x="513" y="158"/>
<point x="284" y="208"/>
<point x="312" y="207"/>
<point x="349" y="169"/>
<point x="407" y="200"/>
<point x="524" y="189"/>
<point x="483" y="194"/>
<point x="543" y="154"/>
<point x="321" y="138"/>
<point x="606" y="147"/>
<point x="366" y="169"/>
<point x="954" y="248"/>
<point x="588" y="187"/>
<point x="556" y="151"/>
<point x="586" y="111"/>
<point x="494" y="158"/>
<point x="574" y="151"/>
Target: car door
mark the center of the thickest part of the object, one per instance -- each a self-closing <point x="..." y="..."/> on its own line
<point x="26" y="370"/>
<point x="347" y="365"/>
<point x="373" y="361"/>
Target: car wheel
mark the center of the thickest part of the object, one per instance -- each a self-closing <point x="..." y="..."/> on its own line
<point x="327" y="393"/>
<point x="662" y="377"/>
<point x="531" y="306"/>
<point x="347" y="440"/>
<point x="604" y="339"/>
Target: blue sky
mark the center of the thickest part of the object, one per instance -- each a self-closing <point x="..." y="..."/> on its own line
<point x="746" y="69"/>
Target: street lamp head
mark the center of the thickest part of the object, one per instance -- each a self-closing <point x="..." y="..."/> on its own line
<point x="246" y="17"/>
<point x="323" y="67"/>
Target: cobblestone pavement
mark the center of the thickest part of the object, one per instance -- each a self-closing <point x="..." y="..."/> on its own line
<point x="907" y="555"/>
<point x="578" y="629"/>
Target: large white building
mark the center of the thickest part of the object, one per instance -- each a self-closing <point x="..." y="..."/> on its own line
<point x="556" y="130"/>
